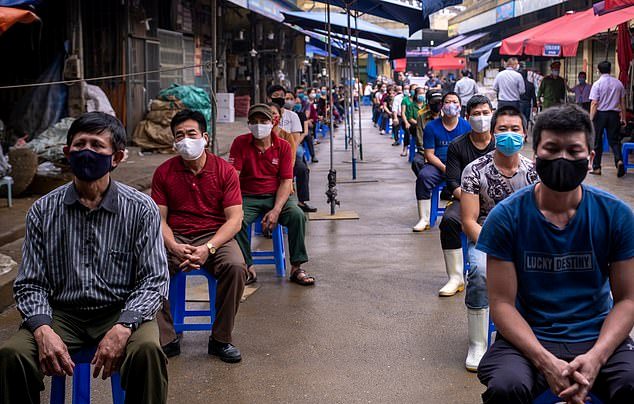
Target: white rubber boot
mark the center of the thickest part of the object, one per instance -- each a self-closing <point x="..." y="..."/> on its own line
<point x="424" y="208"/>
<point x="454" y="265"/>
<point x="478" y="322"/>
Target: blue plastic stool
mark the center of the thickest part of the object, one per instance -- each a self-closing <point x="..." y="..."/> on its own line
<point x="8" y="181"/>
<point x="549" y="398"/>
<point x="379" y="121"/>
<point x="412" y="149"/>
<point x="81" y="381"/>
<point x="401" y="134"/>
<point x="366" y="101"/>
<point x="436" y="211"/>
<point x="178" y="304"/>
<point x="275" y="257"/>
<point x="625" y="151"/>
<point x="466" y="265"/>
<point x="388" y="127"/>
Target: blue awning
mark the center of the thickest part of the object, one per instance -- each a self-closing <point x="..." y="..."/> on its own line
<point x="312" y="50"/>
<point x="338" y="23"/>
<point x="413" y="13"/>
<point x="480" y="51"/>
<point x="457" y="43"/>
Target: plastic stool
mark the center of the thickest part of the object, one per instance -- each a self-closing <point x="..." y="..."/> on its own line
<point x="625" y="151"/>
<point x="436" y="211"/>
<point x="178" y="304"/>
<point x="366" y="101"/>
<point x="8" y="181"/>
<point x="491" y="331"/>
<point x="81" y="381"/>
<point x="412" y="149"/>
<point x="275" y="257"/>
<point x="379" y="121"/>
<point x="466" y="266"/>
<point x="549" y="398"/>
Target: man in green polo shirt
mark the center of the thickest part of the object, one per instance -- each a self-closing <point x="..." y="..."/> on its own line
<point x="552" y="89"/>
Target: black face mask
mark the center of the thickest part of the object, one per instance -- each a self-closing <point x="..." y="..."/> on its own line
<point x="88" y="165"/>
<point x="279" y="101"/>
<point x="435" y="107"/>
<point x="562" y="175"/>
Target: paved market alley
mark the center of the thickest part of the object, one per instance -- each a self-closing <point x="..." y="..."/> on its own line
<point x="372" y="330"/>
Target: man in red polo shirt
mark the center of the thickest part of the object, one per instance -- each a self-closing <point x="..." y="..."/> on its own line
<point x="264" y="163"/>
<point x="198" y="195"/>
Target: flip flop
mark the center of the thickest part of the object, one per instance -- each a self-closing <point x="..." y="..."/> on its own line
<point x="251" y="278"/>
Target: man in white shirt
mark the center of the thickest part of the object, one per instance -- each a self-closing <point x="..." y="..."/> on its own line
<point x="466" y="88"/>
<point x="509" y="85"/>
<point x="396" y="113"/>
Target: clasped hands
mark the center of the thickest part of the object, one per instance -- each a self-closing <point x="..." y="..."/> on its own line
<point x="572" y="381"/>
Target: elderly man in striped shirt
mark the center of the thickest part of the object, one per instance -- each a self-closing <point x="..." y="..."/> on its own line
<point x="94" y="272"/>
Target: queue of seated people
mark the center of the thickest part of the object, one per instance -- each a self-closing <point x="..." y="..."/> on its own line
<point x="548" y="247"/>
<point x="551" y="257"/>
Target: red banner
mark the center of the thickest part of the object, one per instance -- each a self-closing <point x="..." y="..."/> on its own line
<point x="612" y="4"/>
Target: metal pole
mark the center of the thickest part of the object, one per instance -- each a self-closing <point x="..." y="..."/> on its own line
<point x="356" y="27"/>
<point x="351" y="96"/>
<point x="346" y="126"/>
<point x="212" y="90"/>
<point x="332" y="174"/>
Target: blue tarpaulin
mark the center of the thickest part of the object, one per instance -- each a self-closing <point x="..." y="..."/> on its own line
<point x="19" y="3"/>
<point x="338" y="23"/>
<point x="414" y="13"/>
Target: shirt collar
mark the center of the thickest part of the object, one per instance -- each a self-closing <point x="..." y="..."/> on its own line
<point x="274" y="142"/>
<point x="110" y="201"/>
<point x="183" y="167"/>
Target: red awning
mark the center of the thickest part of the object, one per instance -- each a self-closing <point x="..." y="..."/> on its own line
<point x="561" y="36"/>
<point x="613" y="4"/>
<point x="10" y="16"/>
<point x="446" y="62"/>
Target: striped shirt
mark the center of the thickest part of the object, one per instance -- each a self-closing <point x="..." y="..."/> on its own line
<point x="79" y="259"/>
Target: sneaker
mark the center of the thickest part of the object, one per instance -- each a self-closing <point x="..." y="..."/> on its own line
<point x="396" y="144"/>
<point x="314" y="161"/>
<point x="596" y="171"/>
<point x="620" y="169"/>
<point x="173" y="348"/>
<point x="225" y="351"/>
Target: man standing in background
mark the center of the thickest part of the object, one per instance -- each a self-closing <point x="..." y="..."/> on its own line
<point x="509" y="85"/>
<point x="552" y="88"/>
<point x="466" y="88"/>
<point x="582" y="92"/>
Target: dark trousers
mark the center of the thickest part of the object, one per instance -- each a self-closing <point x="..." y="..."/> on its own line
<point x="451" y="227"/>
<point x="515" y="104"/>
<point x="611" y="122"/>
<point x="418" y="163"/>
<point x="143" y="371"/>
<point x="512" y="378"/>
<point x="386" y="118"/>
<point x="410" y="136"/>
<point x="229" y="269"/>
<point x="375" y="113"/>
<point x="586" y="105"/>
<point x="525" y="109"/>
<point x="302" y="175"/>
<point x="428" y="178"/>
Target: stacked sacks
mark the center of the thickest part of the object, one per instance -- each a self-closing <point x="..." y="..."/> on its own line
<point x="154" y="131"/>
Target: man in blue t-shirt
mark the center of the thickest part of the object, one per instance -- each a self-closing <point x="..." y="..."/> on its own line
<point x="560" y="278"/>
<point x="436" y="138"/>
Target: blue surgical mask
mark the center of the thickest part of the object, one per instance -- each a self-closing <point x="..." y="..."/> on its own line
<point x="420" y="98"/>
<point x="582" y="81"/>
<point x="509" y="143"/>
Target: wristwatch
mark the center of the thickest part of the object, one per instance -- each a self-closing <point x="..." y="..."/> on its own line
<point x="212" y="249"/>
<point x="131" y="326"/>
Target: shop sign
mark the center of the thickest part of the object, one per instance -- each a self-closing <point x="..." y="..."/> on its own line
<point x="505" y="11"/>
<point x="552" y="50"/>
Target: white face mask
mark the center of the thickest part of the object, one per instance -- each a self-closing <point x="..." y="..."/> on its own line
<point x="480" y="124"/>
<point x="191" y="149"/>
<point x="260" y="130"/>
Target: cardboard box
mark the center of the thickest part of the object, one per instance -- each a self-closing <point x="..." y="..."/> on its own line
<point x="225" y="100"/>
<point x="226" y="115"/>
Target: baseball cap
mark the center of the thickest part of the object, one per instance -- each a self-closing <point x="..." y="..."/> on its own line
<point x="260" y="109"/>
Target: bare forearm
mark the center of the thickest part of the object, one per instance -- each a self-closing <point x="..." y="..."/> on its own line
<point x="510" y="323"/>
<point x="615" y="329"/>
<point x="168" y="235"/>
<point x="226" y="232"/>
<point x="593" y="109"/>
<point x="283" y="192"/>
<point x="472" y="229"/>
<point x="435" y="161"/>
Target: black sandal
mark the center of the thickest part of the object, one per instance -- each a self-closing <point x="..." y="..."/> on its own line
<point x="303" y="280"/>
<point x="252" y="277"/>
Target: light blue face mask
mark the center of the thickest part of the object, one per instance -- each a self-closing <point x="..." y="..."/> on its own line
<point x="406" y="93"/>
<point x="420" y="98"/>
<point x="509" y="143"/>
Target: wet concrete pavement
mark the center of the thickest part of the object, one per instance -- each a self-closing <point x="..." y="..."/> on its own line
<point x="372" y="330"/>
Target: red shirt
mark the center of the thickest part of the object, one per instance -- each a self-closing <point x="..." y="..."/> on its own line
<point x="261" y="172"/>
<point x="196" y="203"/>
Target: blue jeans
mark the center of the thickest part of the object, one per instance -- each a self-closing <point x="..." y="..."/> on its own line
<point x="476" y="295"/>
<point x="429" y="177"/>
